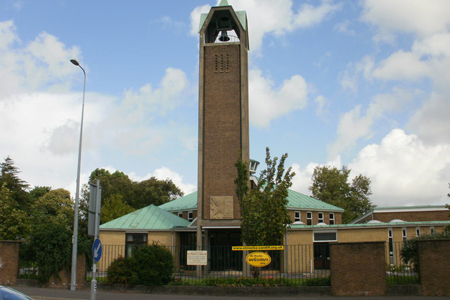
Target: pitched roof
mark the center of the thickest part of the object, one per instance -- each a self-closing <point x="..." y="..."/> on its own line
<point x="188" y="202"/>
<point x="295" y="200"/>
<point x="301" y="201"/>
<point x="148" y="218"/>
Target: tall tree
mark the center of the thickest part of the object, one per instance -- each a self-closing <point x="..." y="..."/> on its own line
<point x="14" y="223"/>
<point x="135" y="194"/>
<point x="18" y="188"/>
<point x="113" y="208"/>
<point x="263" y="209"/>
<point x="332" y="185"/>
<point x="39" y="191"/>
<point x="55" y="206"/>
<point x="154" y="191"/>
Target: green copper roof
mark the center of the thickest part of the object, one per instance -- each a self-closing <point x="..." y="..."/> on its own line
<point x="295" y="200"/>
<point x="188" y="202"/>
<point x="148" y="218"/>
<point x="298" y="200"/>
<point x="241" y="15"/>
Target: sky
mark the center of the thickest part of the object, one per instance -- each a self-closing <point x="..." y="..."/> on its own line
<point x="365" y="84"/>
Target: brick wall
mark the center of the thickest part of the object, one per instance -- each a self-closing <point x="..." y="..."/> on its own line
<point x="412" y="216"/>
<point x="63" y="282"/>
<point x="9" y="262"/>
<point x="358" y="269"/>
<point x="434" y="262"/>
<point x="221" y="124"/>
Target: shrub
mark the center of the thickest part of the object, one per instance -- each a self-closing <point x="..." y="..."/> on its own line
<point x="149" y="265"/>
<point x="324" y="281"/>
<point x="120" y="271"/>
<point x="154" y="264"/>
<point x="410" y="251"/>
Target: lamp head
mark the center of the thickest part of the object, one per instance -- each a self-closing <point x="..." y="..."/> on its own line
<point x="75" y="62"/>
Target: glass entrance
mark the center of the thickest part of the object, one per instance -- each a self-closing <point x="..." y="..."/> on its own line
<point x="222" y="258"/>
<point x="322" y="256"/>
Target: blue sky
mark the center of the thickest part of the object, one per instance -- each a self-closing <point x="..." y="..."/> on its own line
<point x="359" y="83"/>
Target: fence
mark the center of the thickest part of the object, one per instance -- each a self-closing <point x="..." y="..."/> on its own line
<point x="399" y="272"/>
<point x="301" y="264"/>
<point x="295" y="263"/>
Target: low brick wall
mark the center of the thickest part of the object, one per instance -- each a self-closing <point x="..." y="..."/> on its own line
<point x="9" y="262"/>
<point x="434" y="263"/>
<point x="63" y="282"/>
<point x="358" y="269"/>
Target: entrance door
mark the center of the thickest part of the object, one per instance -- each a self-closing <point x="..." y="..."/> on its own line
<point x="321" y="256"/>
<point x="222" y="257"/>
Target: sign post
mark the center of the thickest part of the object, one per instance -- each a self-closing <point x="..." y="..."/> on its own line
<point x="95" y="204"/>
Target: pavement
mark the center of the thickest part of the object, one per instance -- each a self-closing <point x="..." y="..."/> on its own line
<point x="38" y="293"/>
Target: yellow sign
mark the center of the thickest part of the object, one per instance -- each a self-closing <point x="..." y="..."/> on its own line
<point x="258" y="259"/>
<point x="256" y="248"/>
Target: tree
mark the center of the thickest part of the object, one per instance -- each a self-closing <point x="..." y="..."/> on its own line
<point x="154" y="191"/>
<point x="332" y="186"/>
<point x="39" y="191"/>
<point x="55" y="206"/>
<point x="113" y="208"/>
<point x="263" y="210"/>
<point x="135" y="194"/>
<point x="14" y="223"/>
<point x="17" y="187"/>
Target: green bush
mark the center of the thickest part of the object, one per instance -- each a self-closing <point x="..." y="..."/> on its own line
<point x="149" y="265"/>
<point x="154" y="265"/>
<point x="410" y="251"/>
<point x="121" y="271"/>
<point x="324" y="281"/>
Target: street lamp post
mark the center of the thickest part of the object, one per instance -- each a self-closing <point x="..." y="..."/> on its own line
<point x="73" y="281"/>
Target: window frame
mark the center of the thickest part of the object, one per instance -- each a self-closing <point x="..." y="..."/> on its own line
<point x="331" y="219"/>
<point x="320" y="219"/>
<point x="325" y="241"/>
<point x="309" y="218"/>
<point x="297" y="216"/>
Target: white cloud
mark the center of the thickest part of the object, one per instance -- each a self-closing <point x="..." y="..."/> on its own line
<point x="277" y="18"/>
<point x="41" y="64"/>
<point x="40" y="117"/>
<point x="404" y="170"/>
<point x="164" y="173"/>
<point x="417" y="17"/>
<point x="431" y="122"/>
<point x="401" y="66"/>
<point x="354" y="126"/>
<point x="268" y="103"/>
<point x="343" y="27"/>
<point x="322" y="106"/>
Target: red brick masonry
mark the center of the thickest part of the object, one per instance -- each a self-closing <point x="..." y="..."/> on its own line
<point x="434" y="261"/>
<point x="358" y="269"/>
<point x="9" y="262"/>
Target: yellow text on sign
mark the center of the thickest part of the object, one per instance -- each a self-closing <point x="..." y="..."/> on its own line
<point x="258" y="259"/>
<point x="256" y="248"/>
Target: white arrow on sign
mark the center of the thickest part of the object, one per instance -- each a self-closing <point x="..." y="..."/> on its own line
<point x="96" y="250"/>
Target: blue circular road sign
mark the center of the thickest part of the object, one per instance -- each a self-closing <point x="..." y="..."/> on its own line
<point x="97" y="250"/>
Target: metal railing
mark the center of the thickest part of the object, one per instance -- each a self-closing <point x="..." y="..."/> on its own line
<point x="399" y="272"/>
<point x="295" y="265"/>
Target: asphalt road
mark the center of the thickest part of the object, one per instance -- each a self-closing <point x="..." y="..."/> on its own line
<point x="63" y="294"/>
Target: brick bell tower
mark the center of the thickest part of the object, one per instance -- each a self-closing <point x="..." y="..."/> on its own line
<point x="223" y="116"/>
